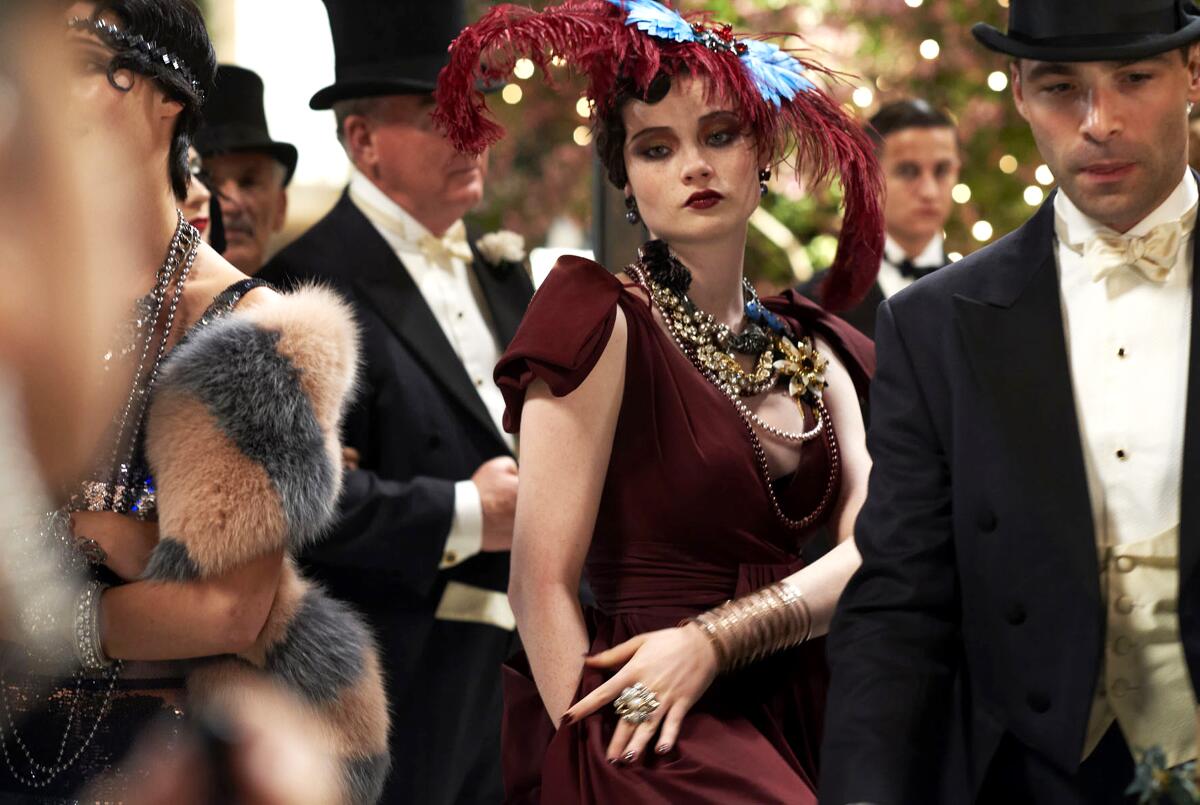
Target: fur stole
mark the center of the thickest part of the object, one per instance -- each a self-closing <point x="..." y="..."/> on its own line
<point x="243" y="443"/>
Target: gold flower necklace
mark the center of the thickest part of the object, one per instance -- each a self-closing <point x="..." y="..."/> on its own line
<point x="707" y="342"/>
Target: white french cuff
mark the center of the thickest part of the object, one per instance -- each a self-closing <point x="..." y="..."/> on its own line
<point x="466" y="603"/>
<point x="466" y="529"/>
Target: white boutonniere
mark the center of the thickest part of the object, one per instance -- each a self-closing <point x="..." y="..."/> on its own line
<point x="502" y="247"/>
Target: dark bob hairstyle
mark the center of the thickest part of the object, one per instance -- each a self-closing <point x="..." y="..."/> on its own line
<point x="177" y="28"/>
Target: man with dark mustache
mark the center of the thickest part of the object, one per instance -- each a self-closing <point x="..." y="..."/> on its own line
<point x="247" y="169"/>
<point x="1026" y="620"/>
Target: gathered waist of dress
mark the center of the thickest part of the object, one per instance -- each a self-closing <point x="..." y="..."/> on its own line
<point x="679" y="587"/>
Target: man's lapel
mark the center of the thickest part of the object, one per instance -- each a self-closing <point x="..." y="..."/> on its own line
<point x="385" y="285"/>
<point x="507" y="290"/>
<point x="1014" y="337"/>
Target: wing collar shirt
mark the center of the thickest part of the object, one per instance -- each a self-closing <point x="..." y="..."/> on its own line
<point x="440" y="269"/>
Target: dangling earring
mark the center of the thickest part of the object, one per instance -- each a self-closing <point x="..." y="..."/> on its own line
<point x="764" y="176"/>
<point x="632" y="215"/>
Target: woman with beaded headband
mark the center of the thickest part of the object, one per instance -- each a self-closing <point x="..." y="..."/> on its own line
<point x="681" y="440"/>
<point x="222" y="459"/>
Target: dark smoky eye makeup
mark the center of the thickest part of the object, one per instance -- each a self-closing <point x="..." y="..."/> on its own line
<point x="88" y="55"/>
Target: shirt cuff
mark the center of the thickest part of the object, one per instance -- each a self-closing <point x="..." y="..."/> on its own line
<point x="466" y="529"/>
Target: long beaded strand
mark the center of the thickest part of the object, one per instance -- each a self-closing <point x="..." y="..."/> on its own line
<point x="183" y="249"/>
<point x="750" y="420"/>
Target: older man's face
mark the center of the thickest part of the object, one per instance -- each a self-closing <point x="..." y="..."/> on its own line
<point x="413" y="163"/>
<point x="253" y="203"/>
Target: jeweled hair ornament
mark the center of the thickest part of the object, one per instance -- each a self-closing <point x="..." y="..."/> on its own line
<point x="616" y="41"/>
<point x="120" y="39"/>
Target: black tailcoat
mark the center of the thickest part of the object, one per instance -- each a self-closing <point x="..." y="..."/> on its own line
<point x="977" y="614"/>
<point x="419" y="426"/>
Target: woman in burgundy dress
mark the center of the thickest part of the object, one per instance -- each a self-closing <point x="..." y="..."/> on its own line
<point x="681" y="441"/>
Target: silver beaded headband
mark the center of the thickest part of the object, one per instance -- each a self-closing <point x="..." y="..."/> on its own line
<point x="118" y="38"/>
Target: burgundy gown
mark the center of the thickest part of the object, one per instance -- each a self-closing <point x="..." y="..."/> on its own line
<point x="685" y="523"/>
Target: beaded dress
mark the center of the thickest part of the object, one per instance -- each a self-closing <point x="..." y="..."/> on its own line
<point x="687" y="520"/>
<point x="83" y="726"/>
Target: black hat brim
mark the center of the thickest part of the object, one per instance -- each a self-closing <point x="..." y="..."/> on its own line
<point x="1076" y="49"/>
<point x="283" y="153"/>
<point x="374" y="88"/>
<point x="368" y="88"/>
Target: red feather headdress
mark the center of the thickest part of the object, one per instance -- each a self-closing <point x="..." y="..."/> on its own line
<point x="595" y="39"/>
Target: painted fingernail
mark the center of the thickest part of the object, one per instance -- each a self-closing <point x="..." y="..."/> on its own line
<point x="565" y="720"/>
<point x="630" y="757"/>
<point x="662" y="749"/>
<point x="612" y="761"/>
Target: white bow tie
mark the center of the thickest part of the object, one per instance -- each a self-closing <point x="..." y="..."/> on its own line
<point x="441" y="251"/>
<point x="1153" y="255"/>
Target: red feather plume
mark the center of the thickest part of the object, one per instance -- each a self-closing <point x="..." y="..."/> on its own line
<point x="593" y="39"/>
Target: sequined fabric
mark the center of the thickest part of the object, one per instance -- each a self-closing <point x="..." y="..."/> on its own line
<point x="57" y="717"/>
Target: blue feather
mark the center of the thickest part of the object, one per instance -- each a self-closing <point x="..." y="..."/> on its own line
<point x="656" y="20"/>
<point x="777" y="75"/>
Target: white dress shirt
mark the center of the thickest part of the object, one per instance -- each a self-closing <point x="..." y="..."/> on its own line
<point x="891" y="281"/>
<point x="1128" y="340"/>
<point x="451" y="291"/>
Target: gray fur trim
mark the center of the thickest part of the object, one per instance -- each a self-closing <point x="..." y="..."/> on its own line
<point x="364" y="778"/>
<point x="254" y="393"/>
<point x="324" y="648"/>
<point x="170" y="561"/>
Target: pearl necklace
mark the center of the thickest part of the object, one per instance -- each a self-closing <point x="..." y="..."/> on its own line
<point x="694" y="332"/>
<point x="751" y="421"/>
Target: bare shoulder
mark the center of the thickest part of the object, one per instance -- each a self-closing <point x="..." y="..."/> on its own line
<point x="211" y="275"/>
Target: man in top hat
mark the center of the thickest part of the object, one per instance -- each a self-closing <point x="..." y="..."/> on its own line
<point x="422" y="546"/>
<point x="918" y="151"/>
<point x="1027" y="615"/>
<point x="247" y="170"/>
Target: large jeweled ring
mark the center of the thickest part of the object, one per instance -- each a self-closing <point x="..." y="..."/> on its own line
<point x="636" y="704"/>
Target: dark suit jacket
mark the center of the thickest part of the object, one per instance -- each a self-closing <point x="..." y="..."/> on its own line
<point x="419" y="426"/>
<point x="977" y="612"/>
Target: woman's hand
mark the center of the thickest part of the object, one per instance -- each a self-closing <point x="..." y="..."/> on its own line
<point x="677" y="665"/>
<point x="126" y="542"/>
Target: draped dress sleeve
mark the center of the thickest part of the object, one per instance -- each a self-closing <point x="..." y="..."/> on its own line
<point x="562" y="336"/>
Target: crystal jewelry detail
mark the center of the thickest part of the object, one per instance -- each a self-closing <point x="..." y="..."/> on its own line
<point x="88" y="649"/>
<point x="120" y="492"/>
<point x="118" y="39"/>
<point x="778" y="355"/>
<point x="636" y="704"/>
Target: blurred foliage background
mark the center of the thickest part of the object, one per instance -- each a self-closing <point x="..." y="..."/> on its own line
<point x="884" y="49"/>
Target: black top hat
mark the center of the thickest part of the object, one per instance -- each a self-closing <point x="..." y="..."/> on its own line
<point x="234" y="119"/>
<point x="1092" y="30"/>
<point x="396" y="47"/>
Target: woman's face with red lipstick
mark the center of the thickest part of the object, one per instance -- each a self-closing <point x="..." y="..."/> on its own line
<point x="692" y="166"/>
